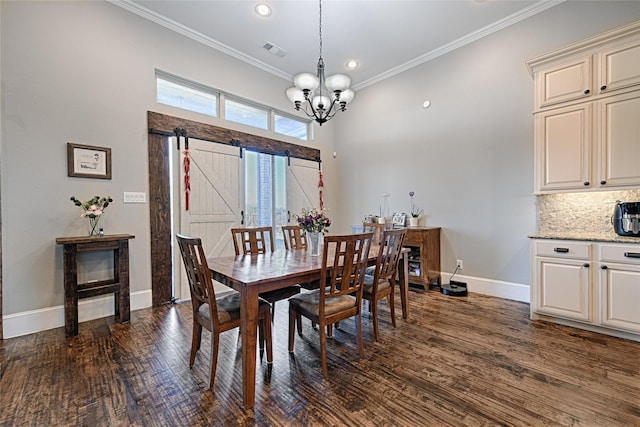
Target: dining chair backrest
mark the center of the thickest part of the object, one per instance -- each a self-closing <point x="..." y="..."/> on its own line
<point x="343" y="272"/>
<point x="252" y="241"/>
<point x="389" y="254"/>
<point x="198" y="275"/>
<point x="374" y="227"/>
<point x="294" y="238"/>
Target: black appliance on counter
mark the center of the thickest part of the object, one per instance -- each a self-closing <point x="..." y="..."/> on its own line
<point x="626" y="218"/>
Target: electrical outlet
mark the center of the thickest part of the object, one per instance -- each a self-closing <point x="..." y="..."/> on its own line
<point x="459" y="265"/>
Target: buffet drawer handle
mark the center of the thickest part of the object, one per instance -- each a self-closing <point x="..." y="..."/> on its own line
<point x="561" y="250"/>
<point x="632" y="254"/>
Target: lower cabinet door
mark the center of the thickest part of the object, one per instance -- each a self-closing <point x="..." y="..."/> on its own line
<point x="563" y="288"/>
<point x="620" y="296"/>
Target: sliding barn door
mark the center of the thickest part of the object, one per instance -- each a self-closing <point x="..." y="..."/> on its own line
<point x="302" y="186"/>
<point x="215" y="201"/>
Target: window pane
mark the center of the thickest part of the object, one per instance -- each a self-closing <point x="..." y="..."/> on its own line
<point x="258" y="190"/>
<point x="280" y="190"/>
<point x="291" y="127"/>
<point x="185" y="97"/>
<point x="246" y="114"/>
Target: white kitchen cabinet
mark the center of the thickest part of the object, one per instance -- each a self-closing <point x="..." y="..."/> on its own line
<point x="567" y="81"/>
<point x="589" y="285"/>
<point x="563" y="148"/>
<point x="587" y="104"/>
<point x="619" y="140"/>
<point x="619" y="284"/>
<point x="563" y="277"/>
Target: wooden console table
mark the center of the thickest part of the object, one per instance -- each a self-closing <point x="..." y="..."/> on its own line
<point x="119" y="285"/>
<point x="424" y="258"/>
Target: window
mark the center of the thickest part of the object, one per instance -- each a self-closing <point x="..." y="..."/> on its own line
<point x="192" y="96"/>
<point x="239" y="112"/>
<point x="185" y="97"/>
<point x="265" y="192"/>
<point x="292" y="127"/>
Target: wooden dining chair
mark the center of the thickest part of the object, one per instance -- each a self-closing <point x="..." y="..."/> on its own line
<point x="381" y="283"/>
<point x="294" y="238"/>
<point x="374" y="227"/>
<point x="344" y="259"/>
<point x="259" y="240"/>
<point x="215" y="314"/>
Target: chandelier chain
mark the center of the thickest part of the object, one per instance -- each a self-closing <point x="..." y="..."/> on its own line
<point x="320" y="28"/>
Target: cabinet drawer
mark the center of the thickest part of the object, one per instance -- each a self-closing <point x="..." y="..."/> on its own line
<point x="620" y="253"/>
<point x="563" y="249"/>
<point x="413" y="239"/>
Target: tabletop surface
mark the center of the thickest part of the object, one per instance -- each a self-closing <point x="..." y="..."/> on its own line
<point x="88" y="239"/>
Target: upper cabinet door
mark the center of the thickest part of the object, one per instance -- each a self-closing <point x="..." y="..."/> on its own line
<point x="565" y="82"/>
<point x="619" y="140"/>
<point x="619" y="67"/>
<point x="563" y="148"/>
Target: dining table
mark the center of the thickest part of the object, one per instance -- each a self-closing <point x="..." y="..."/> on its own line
<point x="251" y="275"/>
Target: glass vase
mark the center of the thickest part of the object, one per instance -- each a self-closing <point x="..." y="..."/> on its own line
<point x="315" y="240"/>
<point x="93" y="226"/>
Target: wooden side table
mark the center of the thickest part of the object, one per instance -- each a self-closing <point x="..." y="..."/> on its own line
<point x="119" y="285"/>
<point x="424" y="259"/>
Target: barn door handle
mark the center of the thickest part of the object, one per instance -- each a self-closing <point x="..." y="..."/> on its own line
<point x="288" y="217"/>
<point x="241" y="217"/>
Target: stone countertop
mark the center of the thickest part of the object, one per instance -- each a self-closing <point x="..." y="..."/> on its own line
<point x="596" y="237"/>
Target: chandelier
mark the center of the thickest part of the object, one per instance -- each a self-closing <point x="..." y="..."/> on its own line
<point x="308" y="96"/>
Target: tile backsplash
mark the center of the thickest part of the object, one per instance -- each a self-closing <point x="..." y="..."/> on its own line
<point x="587" y="212"/>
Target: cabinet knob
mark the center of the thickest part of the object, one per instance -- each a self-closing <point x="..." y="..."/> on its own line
<point x="586" y="183"/>
<point x="587" y="91"/>
<point x="603" y="87"/>
<point x="586" y="265"/>
<point x="603" y="182"/>
<point x="604" y="267"/>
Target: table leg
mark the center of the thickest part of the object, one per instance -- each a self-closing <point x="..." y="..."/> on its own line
<point x="70" y="290"/>
<point x="249" y="315"/>
<point x="123" y="314"/>
<point x="403" y="277"/>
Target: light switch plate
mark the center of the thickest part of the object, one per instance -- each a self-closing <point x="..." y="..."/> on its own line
<point x="133" y="197"/>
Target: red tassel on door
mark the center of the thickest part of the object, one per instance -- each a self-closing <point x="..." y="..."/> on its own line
<point x="187" y="178"/>
<point x="320" y="190"/>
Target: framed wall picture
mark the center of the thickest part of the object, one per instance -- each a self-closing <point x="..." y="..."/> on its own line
<point x="399" y="219"/>
<point x="86" y="161"/>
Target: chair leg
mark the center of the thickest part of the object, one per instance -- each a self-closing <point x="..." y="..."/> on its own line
<point x="299" y="322"/>
<point x="215" y="340"/>
<point x="392" y="308"/>
<point x="195" y="342"/>
<point x="374" y="312"/>
<point x="273" y="311"/>
<point x="267" y="337"/>
<point x="323" y="352"/>
<point x="359" y="334"/>
<point x="330" y="330"/>
<point x="292" y="327"/>
<point x="261" y="327"/>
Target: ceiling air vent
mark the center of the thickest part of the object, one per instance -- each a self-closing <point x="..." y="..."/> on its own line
<point x="274" y="50"/>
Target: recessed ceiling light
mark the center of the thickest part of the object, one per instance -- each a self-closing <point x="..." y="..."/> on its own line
<point x="263" y="9"/>
<point x="352" y="64"/>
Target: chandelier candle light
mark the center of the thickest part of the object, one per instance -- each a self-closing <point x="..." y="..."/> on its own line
<point x="316" y="105"/>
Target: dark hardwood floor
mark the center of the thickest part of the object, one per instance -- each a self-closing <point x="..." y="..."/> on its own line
<point x="470" y="361"/>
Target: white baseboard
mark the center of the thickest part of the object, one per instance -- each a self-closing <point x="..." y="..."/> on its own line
<point x="28" y="322"/>
<point x="496" y="288"/>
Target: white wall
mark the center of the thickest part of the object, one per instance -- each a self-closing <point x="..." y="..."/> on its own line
<point x="83" y="72"/>
<point x="469" y="157"/>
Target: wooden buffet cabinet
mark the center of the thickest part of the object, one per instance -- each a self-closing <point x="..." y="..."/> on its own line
<point x="424" y="258"/>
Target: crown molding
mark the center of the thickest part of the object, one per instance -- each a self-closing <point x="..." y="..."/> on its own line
<point x="145" y="13"/>
<point x="196" y="36"/>
<point x="521" y="15"/>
